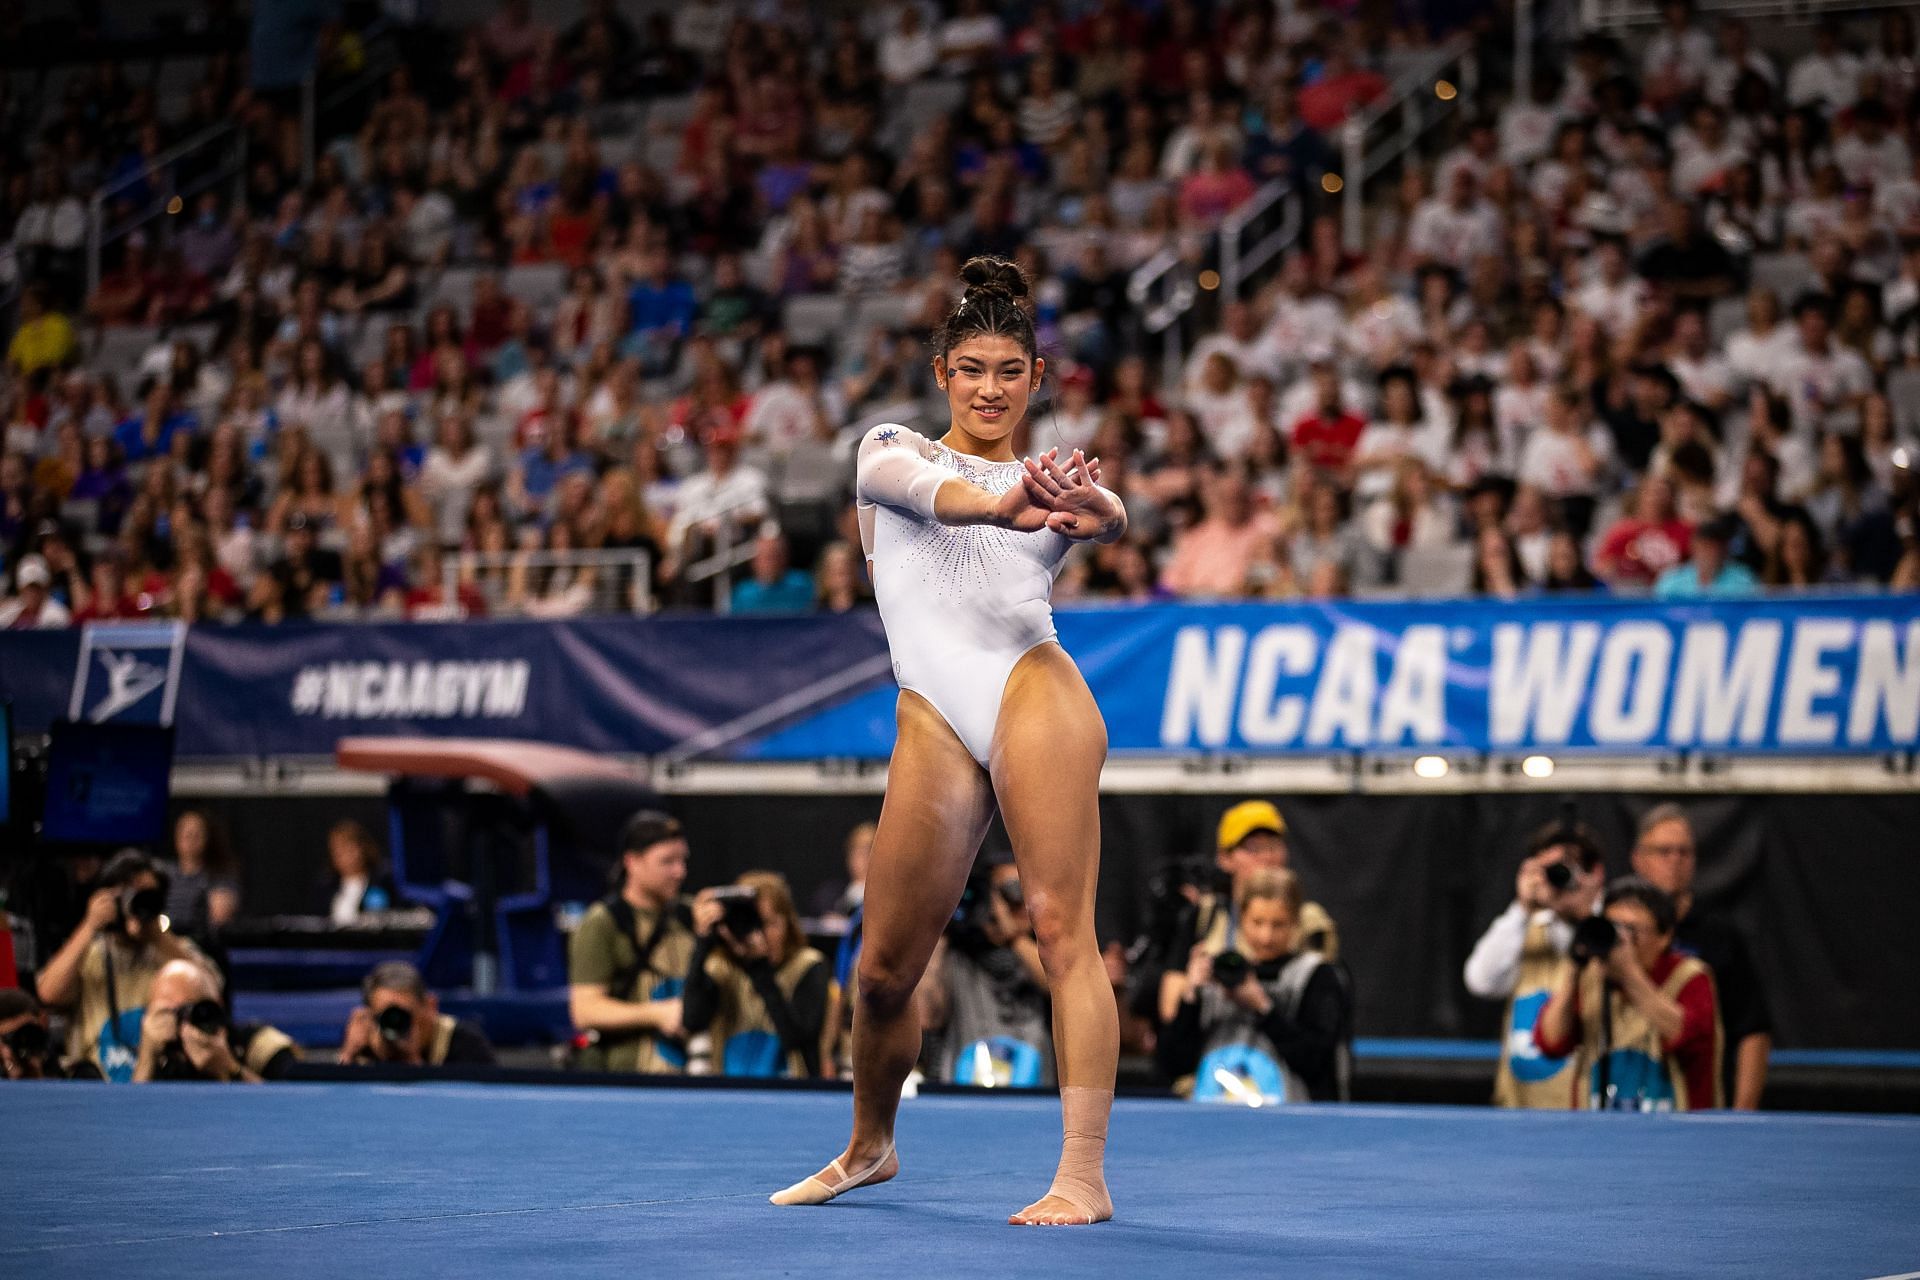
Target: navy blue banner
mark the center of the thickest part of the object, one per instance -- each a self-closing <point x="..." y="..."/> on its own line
<point x="1800" y="676"/>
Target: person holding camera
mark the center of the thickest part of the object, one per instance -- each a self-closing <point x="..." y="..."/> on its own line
<point x="187" y="1035"/>
<point x="628" y="961"/>
<point x="103" y="974"/>
<point x="1520" y="957"/>
<point x="1252" y="838"/>
<point x="764" y="998"/>
<point x="985" y="990"/>
<point x="399" y="1023"/>
<point x="1665" y="854"/>
<point x="27" y="1050"/>
<point x="1640" y="1015"/>
<point x="1269" y="1020"/>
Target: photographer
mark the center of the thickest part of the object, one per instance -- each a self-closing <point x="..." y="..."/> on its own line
<point x="986" y="991"/>
<point x="399" y="1022"/>
<point x="765" y="997"/>
<point x="104" y="972"/>
<point x="1665" y="854"/>
<point x="186" y="1034"/>
<point x="1520" y="957"/>
<point x="26" y="1046"/>
<point x="627" y="962"/>
<point x="1252" y="838"/>
<point x="1267" y="1021"/>
<point x="1640" y="1014"/>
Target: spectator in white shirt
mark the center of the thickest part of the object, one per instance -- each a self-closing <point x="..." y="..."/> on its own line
<point x="971" y="36"/>
<point x="1870" y="153"/>
<point x="1704" y="155"/>
<point x="1829" y="76"/>
<point x="1822" y="381"/>
<point x="1613" y="296"/>
<point x="908" y="50"/>
<point x="1737" y="58"/>
<point x="32" y="608"/>
<point x="1677" y="57"/>
<point x="784" y="412"/>
<point x="1456" y="229"/>
<point x="1704" y="374"/>
<point x="453" y="472"/>
<point x="724" y="498"/>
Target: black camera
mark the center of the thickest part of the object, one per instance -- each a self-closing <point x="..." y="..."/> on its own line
<point x="1230" y="969"/>
<point x="29" y="1042"/>
<point x="395" y="1023"/>
<point x="144" y="905"/>
<point x="1560" y="876"/>
<point x="205" y="1015"/>
<point x="742" y="906"/>
<point x="1593" y="939"/>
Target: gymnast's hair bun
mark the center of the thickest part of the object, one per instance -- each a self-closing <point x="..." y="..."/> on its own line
<point x="990" y="276"/>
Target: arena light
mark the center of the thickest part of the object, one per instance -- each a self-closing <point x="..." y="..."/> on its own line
<point x="1537" y="766"/>
<point x="1444" y="90"/>
<point x="1209" y="280"/>
<point x="1331" y="183"/>
<point x="174" y="206"/>
<point x="1431" y="767"/>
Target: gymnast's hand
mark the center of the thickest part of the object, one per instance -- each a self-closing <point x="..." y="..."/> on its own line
<point x="1081" y="509"/>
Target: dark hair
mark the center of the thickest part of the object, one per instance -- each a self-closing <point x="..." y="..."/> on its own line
<point x="17" y="1001"/>
<point x="990" y="306"/>
<point x="1584" y="839"/>
<point x="124" y="867"/>
<point x="394" y="975"/>
<point x="647" y="828"/>
<point x="1657" y="901"/>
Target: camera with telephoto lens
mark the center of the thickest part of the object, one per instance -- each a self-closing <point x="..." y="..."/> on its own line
<point x="1560" y="876"/>
<point x="144" y="905"/>
<point x="395" y="1023"/>
<point x="1593" y="939"/>
<point x="29" y="1042"/>
<point x="1230" y="969"/>
<point x="742" y="906"/>
<point x="209" y="1016"/>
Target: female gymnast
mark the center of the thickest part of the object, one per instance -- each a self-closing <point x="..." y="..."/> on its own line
<point x="963" y="542"/>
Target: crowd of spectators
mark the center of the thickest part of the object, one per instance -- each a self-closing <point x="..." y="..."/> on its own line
<point x="1655" y="327"/>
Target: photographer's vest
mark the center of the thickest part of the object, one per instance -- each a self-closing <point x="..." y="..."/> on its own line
<point x="999" y="1031"/>
<point x="105" y="1029"/>
<point x="746" y="1043"/>
<point x="1528" y="1077"/>
<point x="663" y="978"/>
<point x="1314" y="930"/>
<point x="1238" y="1062"/>
<point x="1639" y="1074"/>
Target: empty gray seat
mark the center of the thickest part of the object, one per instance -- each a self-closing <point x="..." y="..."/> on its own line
<point x="1431" y="573"/>
<point x="814" y="319"/>
<point x="540" y="285"/>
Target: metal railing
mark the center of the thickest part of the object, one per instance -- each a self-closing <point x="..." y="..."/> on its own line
<point x="1618" y="15"/>
<point x="729" y="553"/>
<point x="222" y="146"/>
<point x="620" y="582"/>
<point x="218" y="154"/>
<point x="1372" y="140"/>
<point x="1252" y="237"/>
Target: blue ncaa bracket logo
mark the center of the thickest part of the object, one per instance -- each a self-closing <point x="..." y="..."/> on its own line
<point x="129" y="672"/>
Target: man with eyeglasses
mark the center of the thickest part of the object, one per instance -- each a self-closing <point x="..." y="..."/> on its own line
<point x="1665" y="854"/>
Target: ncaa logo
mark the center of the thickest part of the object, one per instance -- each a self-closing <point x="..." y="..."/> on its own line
<point x="128" y="672"/>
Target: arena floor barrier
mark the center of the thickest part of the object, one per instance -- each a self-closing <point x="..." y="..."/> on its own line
<point x="305" y="1180"/>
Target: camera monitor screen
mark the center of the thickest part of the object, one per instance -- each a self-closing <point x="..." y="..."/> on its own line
<point x="107" y="783"/>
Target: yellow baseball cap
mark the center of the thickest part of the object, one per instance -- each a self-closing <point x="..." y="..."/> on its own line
<point x="1247" y="817"/>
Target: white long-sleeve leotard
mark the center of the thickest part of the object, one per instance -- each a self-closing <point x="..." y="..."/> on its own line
<point x="961" y="603"/>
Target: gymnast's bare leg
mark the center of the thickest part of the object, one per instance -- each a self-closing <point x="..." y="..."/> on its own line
<point x="1048" y="747"/>
<point x="935" y="815"/>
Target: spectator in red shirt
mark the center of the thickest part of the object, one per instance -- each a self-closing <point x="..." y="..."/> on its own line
<point x="1327" y="436"/>
<point x="1655" y="1043"/>
<point x="1341" y="88"/>
<point x="1213" y="191"/>
<point x="1638" y="548"/>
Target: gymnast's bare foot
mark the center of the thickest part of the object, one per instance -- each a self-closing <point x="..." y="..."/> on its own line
<point x="863" y="1166"/>
<point x="1055" y="1210"/>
